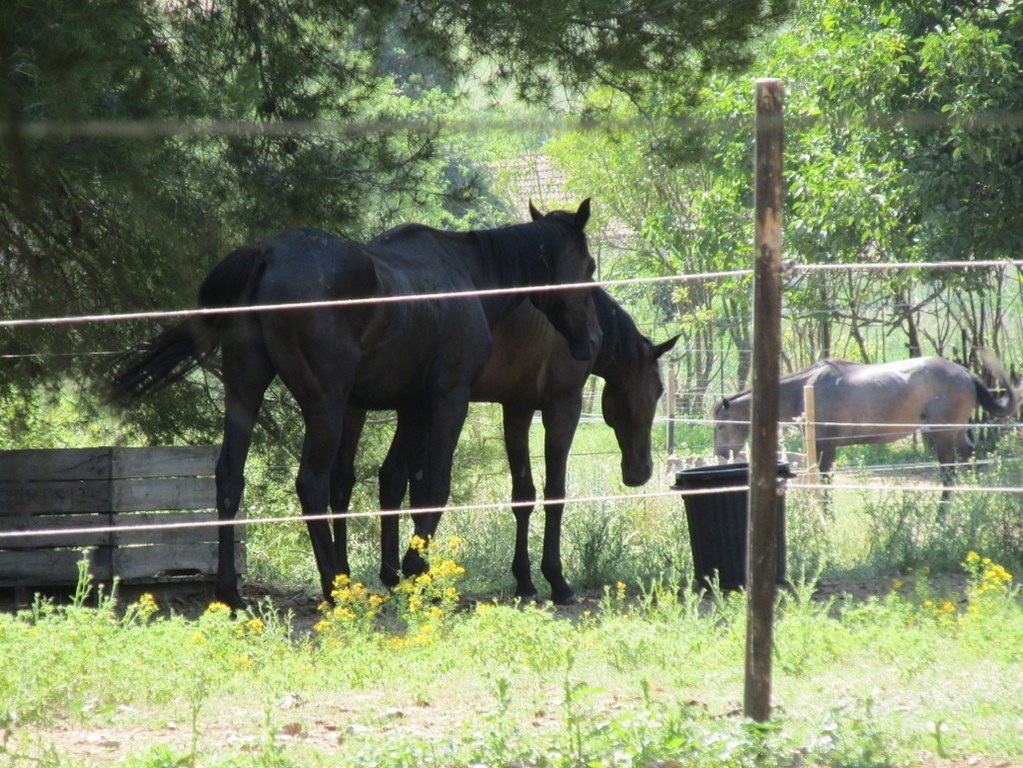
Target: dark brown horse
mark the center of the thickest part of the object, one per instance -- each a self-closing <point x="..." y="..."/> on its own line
<point x="531" y="370"/>
<point x="419" y="357"/>
<point x="859" y="403"/>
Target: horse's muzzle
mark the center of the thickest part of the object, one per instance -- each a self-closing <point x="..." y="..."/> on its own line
<point x="636" y="474"/>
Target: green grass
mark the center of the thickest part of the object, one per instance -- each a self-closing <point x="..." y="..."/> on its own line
<point x="646" y="674"/>
<point x="649" y="677"/>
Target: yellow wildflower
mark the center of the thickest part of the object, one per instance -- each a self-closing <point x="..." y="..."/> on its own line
<point x="255" y="626"/>
<point x="146" y="606"/>
<point x="435" y="613"/>
<point x="996" y="573"/>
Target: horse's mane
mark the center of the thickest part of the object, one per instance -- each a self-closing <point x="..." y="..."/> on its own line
<point x="622" y="339"/>
<point x="506" y="246"/>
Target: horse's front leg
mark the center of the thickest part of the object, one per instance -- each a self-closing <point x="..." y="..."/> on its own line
<point x="429" y="469"/>
<point x="516" y="445"/>
<point x="559" y="423"/>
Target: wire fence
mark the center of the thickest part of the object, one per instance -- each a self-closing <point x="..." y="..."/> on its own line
<point x="803" y="479"/>
<point x="134" y="130"/>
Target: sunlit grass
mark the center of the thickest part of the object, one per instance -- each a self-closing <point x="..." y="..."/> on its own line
<point x="651" y="675"/>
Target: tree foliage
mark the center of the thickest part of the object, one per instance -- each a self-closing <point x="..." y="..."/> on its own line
<point x="902" y="144"/>
<point x="141" y="139"/>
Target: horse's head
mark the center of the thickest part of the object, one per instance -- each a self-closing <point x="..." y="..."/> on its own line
<point x="568" y="260"/>
<point x="629" y="404"/>
<point x="731" y="426"/>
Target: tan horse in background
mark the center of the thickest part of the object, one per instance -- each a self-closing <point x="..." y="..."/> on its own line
<point x="860" y="403"/>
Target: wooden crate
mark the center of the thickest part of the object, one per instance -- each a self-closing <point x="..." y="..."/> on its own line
<point x="44" y="491"/>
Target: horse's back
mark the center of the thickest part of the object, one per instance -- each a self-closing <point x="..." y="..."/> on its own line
<point x="389" y="353"/>
<point x="915" y="377"/>
<point x="929" y="390"/>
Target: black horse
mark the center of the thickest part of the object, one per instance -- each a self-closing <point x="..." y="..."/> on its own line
<point x="532" y="370"/>
<point x="419" y="357"/>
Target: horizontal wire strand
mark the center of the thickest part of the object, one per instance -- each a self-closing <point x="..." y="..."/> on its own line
<point x="334" y="303"/>
<point x="14" y="535"/>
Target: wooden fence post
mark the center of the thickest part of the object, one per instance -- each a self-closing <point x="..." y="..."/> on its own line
<point x="762" y="563"/>
<point x="810" y="435"/>
<point x="672" y="373"/>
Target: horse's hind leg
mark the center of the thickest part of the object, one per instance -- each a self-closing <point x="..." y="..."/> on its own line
<point x="406" y="467"/>
<point x="516" y="444"/>
<point x="342" y="482"/>
<point x="430" y="475"/>
<point x="393" y="479"/>
<point x="323" y="425"/>
<point x="825" y="463"/>
<point x="947" y="446"/>
<point x="247" y="374"/>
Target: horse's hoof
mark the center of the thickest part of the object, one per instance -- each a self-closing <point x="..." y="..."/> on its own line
<point x="414" y="565"/>
<point x="565" y="598"/>
<point x="230" y="597"/>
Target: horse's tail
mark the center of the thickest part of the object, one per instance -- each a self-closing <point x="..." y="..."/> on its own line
<point x="1009" y="403"/>
<point x="173" y="354"/>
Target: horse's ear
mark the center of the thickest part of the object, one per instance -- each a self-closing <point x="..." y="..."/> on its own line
<point x="533" y="212"/>
<point x="665" y="346"/>
<point x="583" y="214"/>
<point x="725" y="403"/>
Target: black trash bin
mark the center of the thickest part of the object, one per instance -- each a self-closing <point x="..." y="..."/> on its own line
<point x="717" y="522"/>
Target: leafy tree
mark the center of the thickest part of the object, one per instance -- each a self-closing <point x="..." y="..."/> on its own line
<point x="898" y="148"/>
<point x="142" y="139"/>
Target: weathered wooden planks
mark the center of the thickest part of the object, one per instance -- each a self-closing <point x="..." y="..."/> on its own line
<point x="64" y="500"/>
